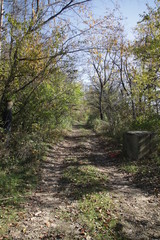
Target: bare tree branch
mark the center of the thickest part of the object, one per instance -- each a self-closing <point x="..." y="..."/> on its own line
<point x="67" y="6"/>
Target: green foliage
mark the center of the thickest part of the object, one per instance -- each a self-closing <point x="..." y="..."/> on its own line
<point x="146" y="49"/>
<point x="84" y="179"/>
<point x="21" y="155"/>
<point x="20" y="163"/>
<point x="44" y="101"/>
<point x="145" y="173"/>
<point x="97" y="124"/>
<point x="97" y="214"/>
<point x="115" y="123"/>
<point x="129" y="97"/>
<point x="45" y="93"/>
<point x="51" y="106"/>
<point x="147" y="122"/>
<point x="130" y="168"/>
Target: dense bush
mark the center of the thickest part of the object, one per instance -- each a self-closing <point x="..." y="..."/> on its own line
<point x="147" y="122"/>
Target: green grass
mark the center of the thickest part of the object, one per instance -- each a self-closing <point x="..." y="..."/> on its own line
<point x="130" y="168"/>
<point x="84" y="175"/>
<point x="15" y="186"/>
<point x="19" y="175"/>
<point x="9" y="216"/>
<point x="83" y="179"/>
<point x="145" y="173"/>
<point x="96" y="212"/>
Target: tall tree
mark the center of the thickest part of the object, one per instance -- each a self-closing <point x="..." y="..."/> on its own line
<point x="104" y="55"/>
<point x="34" y="47"/>
<point x="147" y="48"/>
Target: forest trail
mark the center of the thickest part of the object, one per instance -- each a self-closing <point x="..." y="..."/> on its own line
<point x="139" y="211"/>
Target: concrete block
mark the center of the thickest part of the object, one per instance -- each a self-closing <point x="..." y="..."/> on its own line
<point x="137" y="144"/>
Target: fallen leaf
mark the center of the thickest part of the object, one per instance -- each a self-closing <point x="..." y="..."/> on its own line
<point x="82" y="231"/>
<point x="47" y="224"/>
<point x="24" y="230"/>
<point x="37" y="213"/>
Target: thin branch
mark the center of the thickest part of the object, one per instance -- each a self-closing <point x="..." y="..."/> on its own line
<point x="61" y="53"/>
<point x="67" y="6"/>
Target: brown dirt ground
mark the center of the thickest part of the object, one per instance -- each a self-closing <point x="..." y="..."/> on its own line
<point x="138" y="209"/>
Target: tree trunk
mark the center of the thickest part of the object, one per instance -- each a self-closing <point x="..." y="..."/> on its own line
<point x="100" y="103"/>
<point x="37" y="7"/>
<point x="133" y="110"/>
<point x="33" y="13"/>
<point x="1" y="24"/>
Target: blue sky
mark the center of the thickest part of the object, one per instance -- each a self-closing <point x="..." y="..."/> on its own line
<point x="130" y="9"/>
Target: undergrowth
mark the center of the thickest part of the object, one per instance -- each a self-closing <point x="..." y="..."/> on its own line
<point x="20" y="155"/>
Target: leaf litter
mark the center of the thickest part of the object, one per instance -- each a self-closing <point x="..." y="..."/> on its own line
<point x="53" y="212"/>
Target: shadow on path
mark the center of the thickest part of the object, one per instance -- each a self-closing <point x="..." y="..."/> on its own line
<point x="58" y="191"/>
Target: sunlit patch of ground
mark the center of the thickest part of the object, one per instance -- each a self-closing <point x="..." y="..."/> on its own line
<point x="85" y="195"/>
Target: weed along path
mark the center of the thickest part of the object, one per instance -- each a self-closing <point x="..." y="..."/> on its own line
<point x="83" y="194"/>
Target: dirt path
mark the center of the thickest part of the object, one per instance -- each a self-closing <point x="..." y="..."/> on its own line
<point x="139" y="211"/>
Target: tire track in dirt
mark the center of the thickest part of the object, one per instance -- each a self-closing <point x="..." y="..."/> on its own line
<point x="139" y="211"/>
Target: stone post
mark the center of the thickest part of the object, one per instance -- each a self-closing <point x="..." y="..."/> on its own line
<point x="137" y="144"/>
